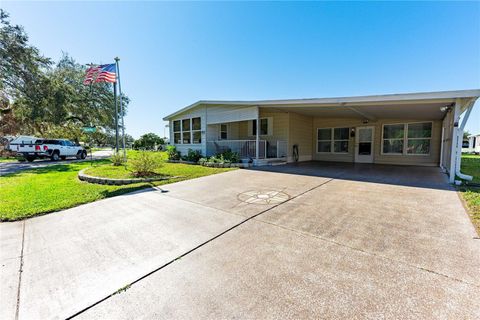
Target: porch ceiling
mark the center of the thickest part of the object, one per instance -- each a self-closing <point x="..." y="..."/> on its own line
<point x="424" y="111"/>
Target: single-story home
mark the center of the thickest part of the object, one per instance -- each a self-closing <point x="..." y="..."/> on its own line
<point x="421" y="129"/>
<point x="472" y="144"/>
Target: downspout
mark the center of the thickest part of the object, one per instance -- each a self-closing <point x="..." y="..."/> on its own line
<point x="453" y="144"/>
<point x="441" y="148"/>
<point x="459" y="144"/>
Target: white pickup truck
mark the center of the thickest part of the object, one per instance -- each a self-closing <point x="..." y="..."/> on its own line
<point x="55" y="149"/>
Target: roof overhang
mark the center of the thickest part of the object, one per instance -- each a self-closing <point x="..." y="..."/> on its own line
<point x="353" y="105"/>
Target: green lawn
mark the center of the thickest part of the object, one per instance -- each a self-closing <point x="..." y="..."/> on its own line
<point x="8" y="159"/>
<point x="167" y="169"/>
<point x="471" y="194"/>
<point x="43" y="190"/>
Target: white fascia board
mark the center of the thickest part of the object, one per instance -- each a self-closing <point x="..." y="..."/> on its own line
<point x="439" y="96"/>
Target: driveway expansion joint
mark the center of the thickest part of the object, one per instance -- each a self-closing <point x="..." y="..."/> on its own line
<point x="369" y="253"/>
<point x="20" y="270"/>
<point x="195" y="248"/>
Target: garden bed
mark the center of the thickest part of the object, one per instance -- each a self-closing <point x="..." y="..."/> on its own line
<point x="118" y="182"/>
<point x="226" y="165"/>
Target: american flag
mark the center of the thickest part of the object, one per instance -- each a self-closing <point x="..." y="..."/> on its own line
<point x="101" y="73"/>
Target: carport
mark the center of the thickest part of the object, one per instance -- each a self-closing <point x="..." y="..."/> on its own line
<point x="419" y="129"/>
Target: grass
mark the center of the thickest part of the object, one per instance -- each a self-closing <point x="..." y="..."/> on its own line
<point x="38" y="191"/>
<point x="167" y="169"/>
<point x="471" y="194"/>
<point x="8" y="159"/>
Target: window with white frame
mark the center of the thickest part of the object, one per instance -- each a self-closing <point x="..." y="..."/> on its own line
<point x="187" y="131"/>
<point x="186" y="134"/>
<point x="407" y="138"/>
<point x="263" y="127"/>
<point x="223" y="131"/>
<point x="177" y="132"/>
<point x="333" y="140"/>
<point x="196" y="130"/>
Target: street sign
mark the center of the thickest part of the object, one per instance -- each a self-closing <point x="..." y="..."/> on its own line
<point x="89" y="129"/>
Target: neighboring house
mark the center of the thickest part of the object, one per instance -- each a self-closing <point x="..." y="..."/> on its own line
<point x="472" y="145"/>
<point x="402" y="129"/>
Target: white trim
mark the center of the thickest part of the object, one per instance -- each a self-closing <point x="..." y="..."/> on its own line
<point x="332" y="140"/>
<point x="181" y="131"/>
<point x="220" y="131"/>
<point x="405" y="140"/>
<point x="371" y="156"/>
<point x="269" y="127"/>
<point x="440" y="96"/>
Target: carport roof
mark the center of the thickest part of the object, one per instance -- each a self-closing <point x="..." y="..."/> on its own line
<point x="438" y="98"/>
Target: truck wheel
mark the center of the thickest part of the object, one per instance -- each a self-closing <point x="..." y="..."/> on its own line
<point x="30" y="159"/>
<point x="63" y="157"/>
<point x="55" y="156"/>
<point x="84" y="154"/>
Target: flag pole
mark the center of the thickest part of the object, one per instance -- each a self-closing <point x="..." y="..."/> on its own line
<point x="116" y="115"/>
<point x="121" y="109"/>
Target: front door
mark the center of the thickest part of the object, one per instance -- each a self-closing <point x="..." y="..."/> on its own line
<point x="364" y="144"/>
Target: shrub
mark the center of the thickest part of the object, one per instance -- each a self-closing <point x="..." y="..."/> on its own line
<point x="172" y="153"/>
<point x="192" y="155"/>
<point x="230" y="156"/>
<point x="202" y="160"/>
<point x="117" y="159"/>
<point x="145" y="164"/>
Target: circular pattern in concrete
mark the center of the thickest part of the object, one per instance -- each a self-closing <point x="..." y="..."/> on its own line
<point x="263" y="197"/>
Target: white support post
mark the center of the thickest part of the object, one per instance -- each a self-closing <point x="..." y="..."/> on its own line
<point x="257" y="137"/>
<point x="453" y="154"/>
<point x="458" y="161"/>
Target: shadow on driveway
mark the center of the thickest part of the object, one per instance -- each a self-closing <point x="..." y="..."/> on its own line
<point x="411" y="176"/>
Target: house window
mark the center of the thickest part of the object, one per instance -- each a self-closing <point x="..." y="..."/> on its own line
<point x="186" y="135"/>
<point x="263" y="127"/>
<point x="333" y="140"/>
<point x="187" y="131"/>
<point x="223" y="132"/>
<point x="393" y="136"/>
<point x="340" y="140"/>
<point x="418" y="138"/>
<point x="177" y="132"/>
<point x="324" y="140"/>
<point x="196" y="130"/>
<point x="407" y="138"/>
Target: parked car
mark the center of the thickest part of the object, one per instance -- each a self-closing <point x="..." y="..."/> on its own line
<point x="55" y="149"/>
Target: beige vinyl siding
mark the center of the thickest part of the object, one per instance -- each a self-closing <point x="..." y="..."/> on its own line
<point x="432" y="159"/>
<point x="300" y="133"/>
<point x="213" y="131"/>
<point x="319" y="123"/>
<point x="279" y="129"/>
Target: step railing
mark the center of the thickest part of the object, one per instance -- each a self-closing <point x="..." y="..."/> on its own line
<point x="247" y="148"/>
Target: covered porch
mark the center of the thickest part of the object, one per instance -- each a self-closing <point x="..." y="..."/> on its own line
<point x="256" y="136"/>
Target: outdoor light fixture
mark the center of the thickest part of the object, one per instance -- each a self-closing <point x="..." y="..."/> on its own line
<point x="445" y="109"/>
<point x="365" y="121"/>
<point x="352" y="133"/>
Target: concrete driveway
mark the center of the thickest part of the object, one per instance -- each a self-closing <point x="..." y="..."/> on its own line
<point x="316" y="240"/>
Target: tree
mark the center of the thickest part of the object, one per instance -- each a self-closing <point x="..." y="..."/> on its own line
<point x="38" y="98"/>
<point x="466" y="134"/>
<point x="148" y="141"/>
<point x="20" y="63"/>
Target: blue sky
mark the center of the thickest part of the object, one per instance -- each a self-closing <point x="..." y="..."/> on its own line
<point x="173" y="54"/>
